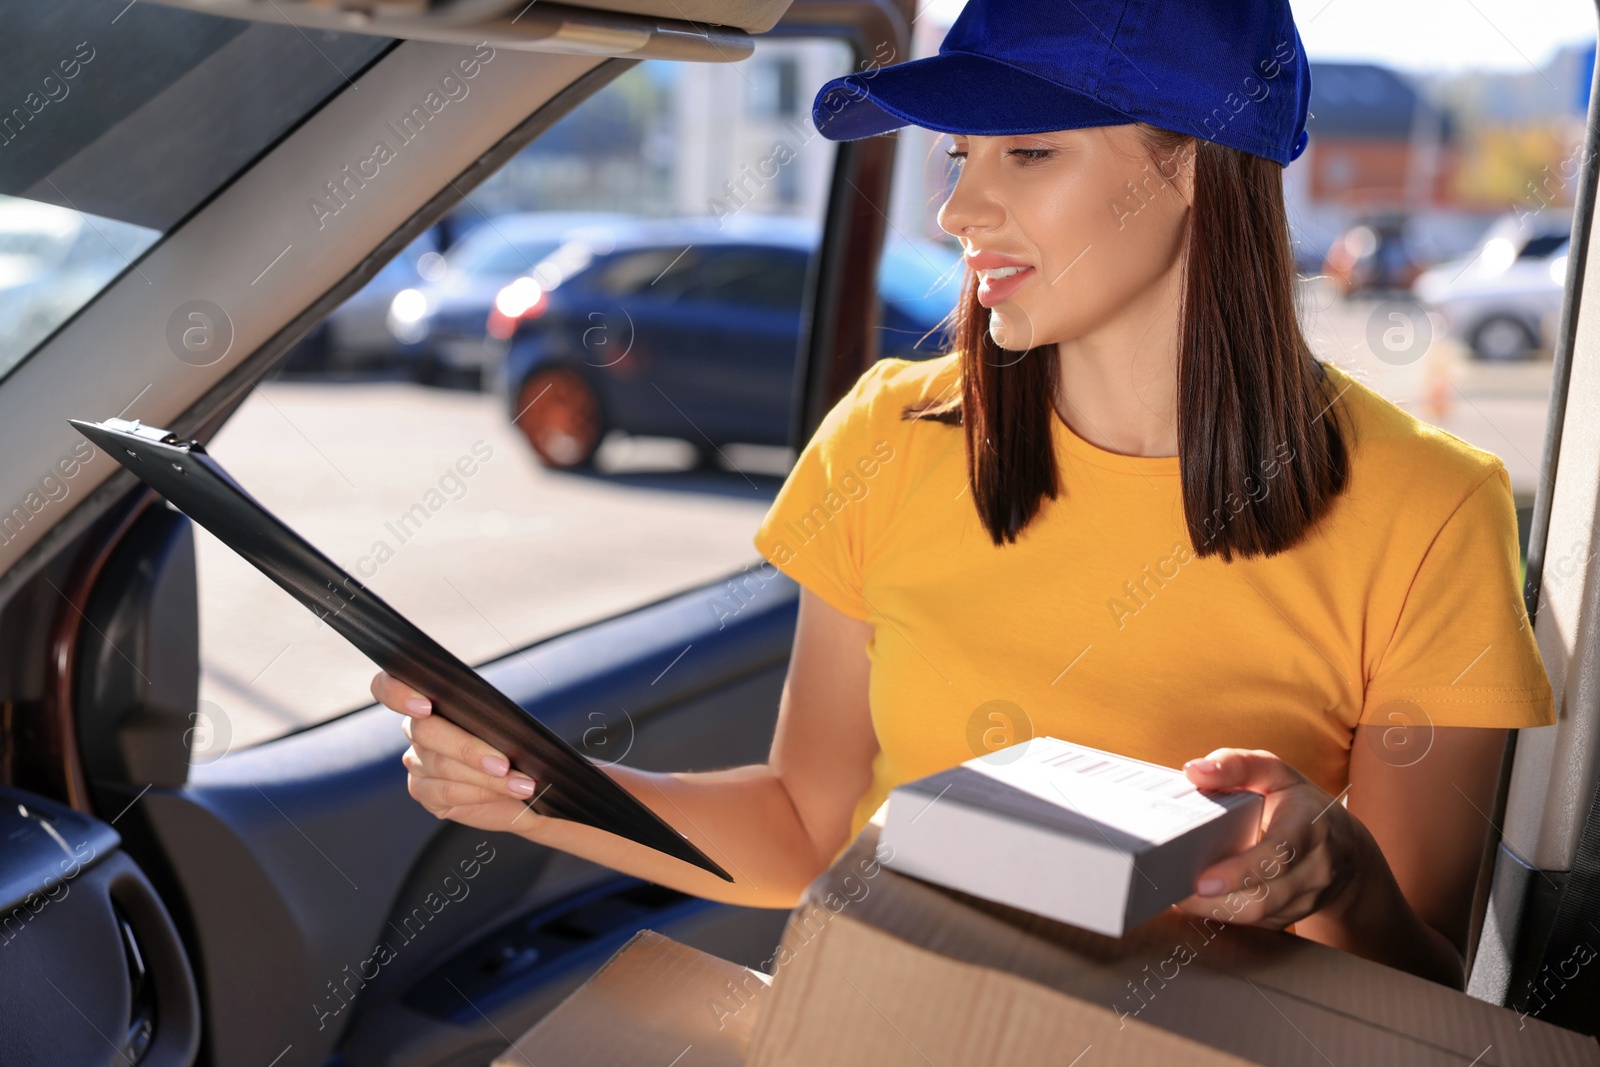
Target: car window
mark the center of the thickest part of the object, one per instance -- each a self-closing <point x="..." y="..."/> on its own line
<point x="53" y="260"/>
<point x="640" y="270"/>
<point x="108" y="143"/>
<point x="429" y="458"/>
<point x="513" y="259"/>
<point x="1542" y="246"/>
<point x="770" y="278"/>
<point x="494" y="254"/>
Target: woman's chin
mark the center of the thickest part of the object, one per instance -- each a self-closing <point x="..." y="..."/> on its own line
<point x="1010" y="334"/>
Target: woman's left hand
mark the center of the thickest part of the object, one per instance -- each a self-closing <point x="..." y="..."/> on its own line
<point x="1311" y="856"/>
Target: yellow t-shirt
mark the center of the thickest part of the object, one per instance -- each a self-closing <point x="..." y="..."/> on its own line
<point x="1099" y="625"/>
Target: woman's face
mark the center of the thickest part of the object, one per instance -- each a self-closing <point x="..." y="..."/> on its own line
<point x="1092" y="220"/>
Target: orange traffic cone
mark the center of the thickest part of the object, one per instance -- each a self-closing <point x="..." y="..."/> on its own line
<point x="1438" y="388"/>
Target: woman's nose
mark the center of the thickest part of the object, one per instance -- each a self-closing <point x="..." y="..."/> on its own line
<point x="970" y="206"/>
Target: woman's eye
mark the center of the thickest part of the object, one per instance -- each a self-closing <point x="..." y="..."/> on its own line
<point x="1029" y="155"/>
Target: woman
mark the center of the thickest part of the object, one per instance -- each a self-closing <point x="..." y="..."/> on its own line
<point x="1130" y="510"/>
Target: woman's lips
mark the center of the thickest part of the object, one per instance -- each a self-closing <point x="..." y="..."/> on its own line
<point x="992" y="291"/>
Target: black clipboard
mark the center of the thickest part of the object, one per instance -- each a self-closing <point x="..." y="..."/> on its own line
<point x="569" y="786"/>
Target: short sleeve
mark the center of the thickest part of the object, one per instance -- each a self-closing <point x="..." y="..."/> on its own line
<point x="1463" y="652"/>
<point x="815" y="529"/>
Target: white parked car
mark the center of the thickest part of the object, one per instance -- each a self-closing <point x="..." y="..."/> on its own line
<point x="1503" y="300"/>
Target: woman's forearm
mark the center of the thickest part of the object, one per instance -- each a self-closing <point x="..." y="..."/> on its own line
<point x="741" y="817"/>
<point x="1375" y="921"/>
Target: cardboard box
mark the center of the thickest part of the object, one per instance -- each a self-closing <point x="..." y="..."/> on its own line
<point x="1066" y="831"/>
<point x="655" y="1002"/>
<point x="880" y="968"/>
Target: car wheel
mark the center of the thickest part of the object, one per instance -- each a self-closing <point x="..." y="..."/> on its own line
<point x="559" y="414"/>
<point x="1502" y="338"/>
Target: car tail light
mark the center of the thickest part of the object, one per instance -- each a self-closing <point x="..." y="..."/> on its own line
<point x="519" y="302"/>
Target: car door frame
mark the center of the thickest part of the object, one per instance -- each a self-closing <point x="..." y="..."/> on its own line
<point x="1550" y="776"/>
<point x="81" y="540"/>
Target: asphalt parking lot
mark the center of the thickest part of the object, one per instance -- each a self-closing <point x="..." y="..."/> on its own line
<point x="490" y="561"/>
<point x="1501" y="407"/>
<point x="499" y="552"/>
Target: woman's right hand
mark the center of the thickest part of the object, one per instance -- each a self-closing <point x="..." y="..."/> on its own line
<point x="453" y="774"/>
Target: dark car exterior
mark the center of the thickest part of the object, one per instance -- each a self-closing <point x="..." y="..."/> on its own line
<point x="688" y="329"/>
<point x="441" y="321"/>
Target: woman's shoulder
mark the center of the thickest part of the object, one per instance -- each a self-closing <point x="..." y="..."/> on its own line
<point x="1399" y="458"/>
<point x="830" y="518"/>
<point x="892" y="383"/>
<point x="876" y="404"/>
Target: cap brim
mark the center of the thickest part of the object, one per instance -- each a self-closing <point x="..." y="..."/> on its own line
<point x="953" y="92"/>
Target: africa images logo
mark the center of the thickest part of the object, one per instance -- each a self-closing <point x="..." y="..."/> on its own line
<point x="850" y="488"/>
<point x="343" y="188"/>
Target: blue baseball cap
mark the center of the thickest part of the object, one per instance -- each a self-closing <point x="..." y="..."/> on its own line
<point x="1229" y="71"/>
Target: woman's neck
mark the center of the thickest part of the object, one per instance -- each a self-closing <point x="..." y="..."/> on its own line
<point x="1116" y="386"/>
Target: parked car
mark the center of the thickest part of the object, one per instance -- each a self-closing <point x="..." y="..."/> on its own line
<point x="1503" y="299"/>
<point x="441" y="320"/>
<point x="356" y="335"/>
<point x="1310" y="251"/>
<point x="1377" y="254"/>
<point x="688" y="328"/>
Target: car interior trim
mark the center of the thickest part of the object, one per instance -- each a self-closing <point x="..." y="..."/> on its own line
<point x="264" y="208"/>
<point x="1548" y="776"/>
<point x="1555" y="769"/>
<point x="541" y="27"/>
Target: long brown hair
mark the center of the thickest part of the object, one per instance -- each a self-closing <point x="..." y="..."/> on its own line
<point x="1260" y="451"/>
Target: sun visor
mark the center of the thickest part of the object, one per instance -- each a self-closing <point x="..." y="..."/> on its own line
<point x="706" y="31"/>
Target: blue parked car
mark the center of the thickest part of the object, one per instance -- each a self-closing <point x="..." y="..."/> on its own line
<point x="681" y="328"/>
<point x="355" y="336"/>
<point x="439" y="324"/>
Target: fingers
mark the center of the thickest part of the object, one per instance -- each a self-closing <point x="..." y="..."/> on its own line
<point x="466" y="804"/>
<point x="1300" y="862"/>
<point x="443" y="750"/>
<point x="453" y="774"/>
<point x="1243" y="768"/>
<point x="424" y="762"/>
<point x="397" y="696"/>
<point x="1268" y="905"/>
<point x="438" y="794"/>
<point x="1270" y="885"/>
<point x="1253" y="885"/>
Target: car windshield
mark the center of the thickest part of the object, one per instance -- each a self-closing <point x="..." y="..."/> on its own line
<point x="114" y="129"/>
<point x="497" y="257"/>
